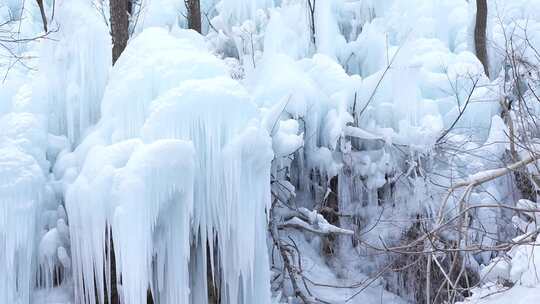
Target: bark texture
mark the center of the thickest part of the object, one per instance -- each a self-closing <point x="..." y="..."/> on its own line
<point x="194" y="14"/>
<point x="480" y="33"/>
<point x="119" y="27"/>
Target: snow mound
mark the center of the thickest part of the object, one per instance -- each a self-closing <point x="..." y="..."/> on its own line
<point x="516" y="277"/>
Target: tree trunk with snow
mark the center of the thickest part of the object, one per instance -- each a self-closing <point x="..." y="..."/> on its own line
<point x="119" y="27"/>
<point x="480" y="34"/>
<point x="194" y="14"/>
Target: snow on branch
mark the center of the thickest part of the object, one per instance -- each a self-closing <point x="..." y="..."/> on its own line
<point x="312" y="221"/>
<point x="488" y="175"/>
<point x="360" y="133"/>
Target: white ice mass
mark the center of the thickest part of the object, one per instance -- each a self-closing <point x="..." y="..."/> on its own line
<point x="296" y="151"/>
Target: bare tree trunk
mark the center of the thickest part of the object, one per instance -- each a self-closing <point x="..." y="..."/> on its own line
<point x="480" y="33"/>
<point x="114" y="280"/>
<point x="331" y="214"/>
<point x="119" y="27"/>
<point x="43" y="16"/>
<point x="194" y="14"/>
<point x="212" y="279"/>
<point x="130" y="7"/>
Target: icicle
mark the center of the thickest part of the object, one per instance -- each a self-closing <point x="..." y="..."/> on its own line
<point x="236" y="12"/>
<point x="233" y="180"/>
<point x="74" y="66"/>
<point x="21" y="184"/>
<point x="144" y="194"/>
<point x="170" y="90"/>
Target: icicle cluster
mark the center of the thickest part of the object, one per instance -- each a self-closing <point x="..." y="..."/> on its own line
<point x="175" y="165"/>
<point x="23" y="188"/>
<point x="231" y="185"/>
<point x="74" y="68"/>
<point x="21" y="183"/>
<point x="141" y="195"/>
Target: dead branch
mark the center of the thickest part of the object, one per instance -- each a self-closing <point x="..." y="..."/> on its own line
<point x="285" y="258"/>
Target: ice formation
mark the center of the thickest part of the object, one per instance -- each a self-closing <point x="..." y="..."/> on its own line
<point x="125" y="190"/>
<point x="233" y="180"/>
<point x="168" y="161"/>
<point x="186" y="141"/>
<point x="74" y="70"/>
<point x="25" y="193"/>
<point x="20" y="190"/>
<point x="24" y="190"/>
